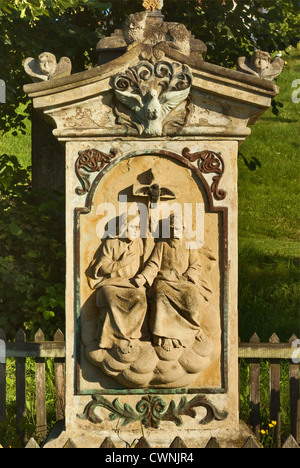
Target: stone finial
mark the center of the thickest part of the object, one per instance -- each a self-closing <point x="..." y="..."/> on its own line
<point x="46" y="67"/>
<point x="260" y="65"/>
<point x="153" y="5"/>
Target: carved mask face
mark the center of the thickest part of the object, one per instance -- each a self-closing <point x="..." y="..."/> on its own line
<point x="47" y="63"/>
<point x="261" y="61"/>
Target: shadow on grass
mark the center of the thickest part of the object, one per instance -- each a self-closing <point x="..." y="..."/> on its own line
<point x="268" y="295"/>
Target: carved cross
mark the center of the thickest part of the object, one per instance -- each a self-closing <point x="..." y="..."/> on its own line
<point x="154" y="192"/>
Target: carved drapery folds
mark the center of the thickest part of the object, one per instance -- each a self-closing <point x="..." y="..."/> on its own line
<point x="153" y="96"/>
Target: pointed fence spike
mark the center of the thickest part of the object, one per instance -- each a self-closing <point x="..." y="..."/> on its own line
<point x="59" y="336"/>
<point x="213" y="443"/>
<point x="32" y="443"/>
<point x="70" y="444"/>
<point x="293" y="338"/>
<point x="254" y="338"/>
<point x="290" y="442"/>
<point x="143" y="443"/>
<point x="274" y="339"/>
<point x="39" y="336"/>
<point x="107" y="444"/>
<point x="20" y="336"/>
<point x="178" y="443"/>
<point x="251" y="442"/>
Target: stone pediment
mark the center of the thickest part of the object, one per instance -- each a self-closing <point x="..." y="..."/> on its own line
<point x="153" y="92"/>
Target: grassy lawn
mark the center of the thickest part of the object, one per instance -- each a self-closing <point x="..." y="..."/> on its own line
<point x="269" y="218"/>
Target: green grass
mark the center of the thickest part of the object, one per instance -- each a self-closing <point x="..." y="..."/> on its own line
<point x="269" y="251"/>
<point x="18" y="144"/>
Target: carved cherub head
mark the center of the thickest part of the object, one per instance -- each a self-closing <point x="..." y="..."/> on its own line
<point x="134" y="27"/>
<point x="260" y="64"/>
<point x="260" y="61"/>
<point x="47" y="63"/>
<point x="46" y="67"/>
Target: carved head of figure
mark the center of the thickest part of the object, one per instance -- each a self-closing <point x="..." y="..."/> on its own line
<point x="47" y="63"/>
<point x="260" y="61"/>
<point x="134" y="27"/>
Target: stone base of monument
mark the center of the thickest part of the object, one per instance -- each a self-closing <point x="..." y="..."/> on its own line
<point x="92" y="437"/>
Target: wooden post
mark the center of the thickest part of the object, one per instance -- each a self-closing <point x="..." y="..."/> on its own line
<point x="275" y="393"/>
<point x="294" y="397"/>
<point x="59" y="370"/>
<point x="255" y="392"/>
<point x="21" y="411"/>
<point x="40" y="385"/>
<point x="2" y="379"/>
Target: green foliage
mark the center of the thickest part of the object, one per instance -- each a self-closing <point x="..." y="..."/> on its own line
<point x="32" y="255"/>
<point x="73" y="27"/>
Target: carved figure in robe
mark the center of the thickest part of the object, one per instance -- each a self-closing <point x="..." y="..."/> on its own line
<point x="122" y="305"/>
<point x="177" y="294"/>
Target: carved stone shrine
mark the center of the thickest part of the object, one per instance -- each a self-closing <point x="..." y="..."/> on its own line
<point x="151" y="142"/>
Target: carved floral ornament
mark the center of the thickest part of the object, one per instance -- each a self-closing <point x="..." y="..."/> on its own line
<point x="152" y="96"/>
<point x="151" y="411"/>
<point x="93" y="160"/>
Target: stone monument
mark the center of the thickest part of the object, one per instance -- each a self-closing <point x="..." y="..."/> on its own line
<point x="151" y="144"/>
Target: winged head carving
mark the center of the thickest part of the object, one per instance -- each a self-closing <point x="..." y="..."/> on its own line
<point x="147" y="94"/>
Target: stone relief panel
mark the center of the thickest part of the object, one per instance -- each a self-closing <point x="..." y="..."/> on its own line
<point x="150" y="296"/>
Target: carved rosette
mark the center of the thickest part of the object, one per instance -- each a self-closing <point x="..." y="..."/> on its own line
<point x="151" y="410"/>
<point x="88" y="162"/>
<point x="209" y="162"/>
<point x="151" y="96"/>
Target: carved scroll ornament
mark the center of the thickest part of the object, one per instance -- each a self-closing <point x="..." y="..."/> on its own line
<point x="146" y="94"/>
<point x="152" y="410"/>
<point x="209" y="162"/>
<point x="89" y="161"/>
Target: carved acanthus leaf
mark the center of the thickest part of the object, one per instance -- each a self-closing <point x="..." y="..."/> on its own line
<point x="152" y="410"/>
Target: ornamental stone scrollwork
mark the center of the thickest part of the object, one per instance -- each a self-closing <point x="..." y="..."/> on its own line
<point x="46" y="67"/>
<point x="153" y="97"/>
<point x="150" y="411"/>
<point x="88" y="162"/>
<point x="209" y="162"/>
<point x="260" y="65"/>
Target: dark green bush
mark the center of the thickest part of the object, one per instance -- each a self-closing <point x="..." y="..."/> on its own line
<point x="32" y="253"/>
